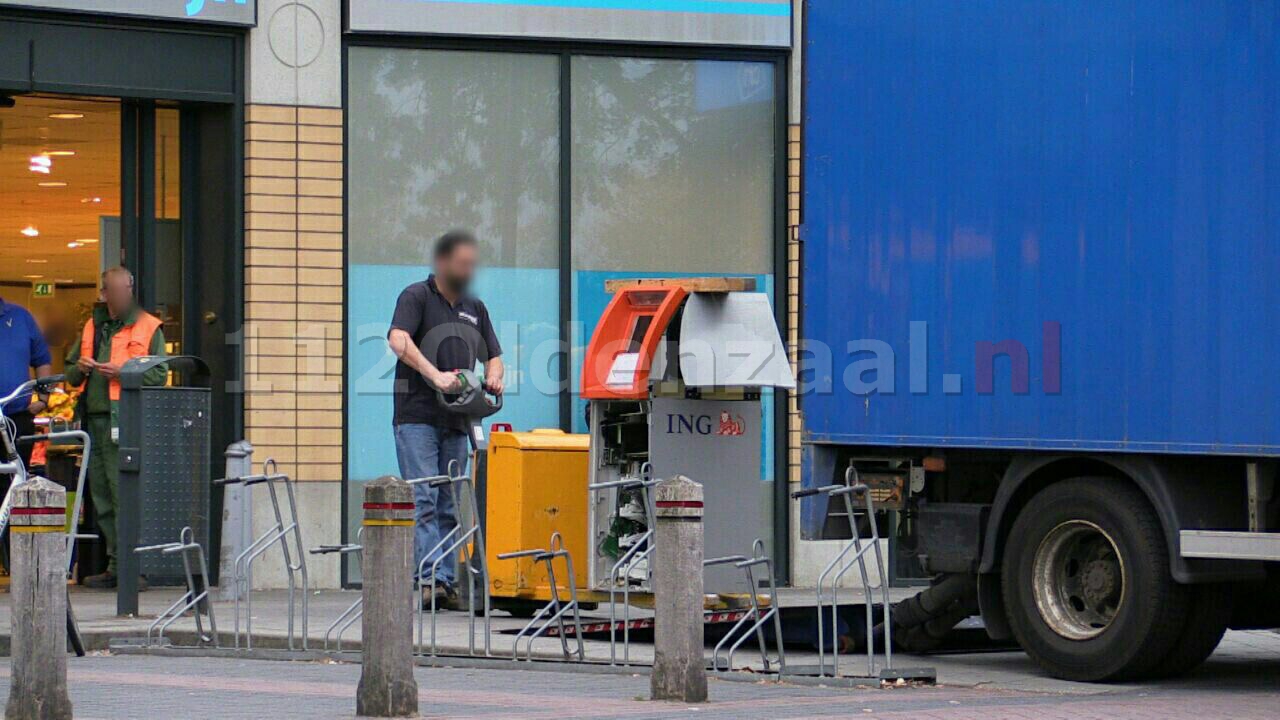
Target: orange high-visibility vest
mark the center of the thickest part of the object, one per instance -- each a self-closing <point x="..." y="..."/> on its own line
<point x="39" y="454"/>
<point x="131" y="341"/>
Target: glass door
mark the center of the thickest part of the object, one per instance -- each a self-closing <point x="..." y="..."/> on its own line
<point x="149" y="136"/>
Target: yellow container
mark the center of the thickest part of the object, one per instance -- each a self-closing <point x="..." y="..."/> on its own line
<point x="537" y="485"/>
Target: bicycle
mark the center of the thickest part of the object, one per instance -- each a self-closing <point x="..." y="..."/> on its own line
<point x="13" y="466"/>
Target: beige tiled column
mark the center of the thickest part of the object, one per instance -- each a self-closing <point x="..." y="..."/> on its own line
<point x="293" y="301"/>
<point x="293" y="255"/>
<point x="794" y="418"/>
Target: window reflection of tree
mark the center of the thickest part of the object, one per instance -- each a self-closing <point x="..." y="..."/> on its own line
<point x="666" y="180"/>
<point x="667" y="173"/>
<point x="445" y="139"/>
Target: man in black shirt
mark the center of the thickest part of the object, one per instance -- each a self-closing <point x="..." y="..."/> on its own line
<point x="438" y="329"/>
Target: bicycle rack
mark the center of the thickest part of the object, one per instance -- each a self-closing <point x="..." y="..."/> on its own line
<point x="18" y="471"/>
<point x="67" y="433"/>
<point x="471" y="542"/>
<point x="196" y="598"/>
<point x="352" y="613"/>
<point x="553" y="612"/>
<point x="278" y="534"/>
<point x="841" y="564"/>
<point x="349" y="616"/>
<point x="620" y="574"/>
<point x="85" y="442"/>
<point x="757" y="620"/>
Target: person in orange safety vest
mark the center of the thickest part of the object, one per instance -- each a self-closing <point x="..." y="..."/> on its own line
<point x="117" y="332"/>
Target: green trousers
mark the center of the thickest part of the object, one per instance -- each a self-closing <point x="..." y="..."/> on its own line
<point x="104" y="476"/>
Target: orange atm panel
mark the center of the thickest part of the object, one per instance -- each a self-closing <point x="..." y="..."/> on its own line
<point x="625" y="342"/>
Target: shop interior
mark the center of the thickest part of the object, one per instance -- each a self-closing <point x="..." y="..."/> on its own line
<point x="60" y="199"/>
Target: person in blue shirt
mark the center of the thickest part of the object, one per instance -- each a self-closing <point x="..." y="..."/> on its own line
<point x="22" y="350"/>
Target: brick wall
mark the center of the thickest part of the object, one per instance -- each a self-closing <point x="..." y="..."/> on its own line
<point x="294" y="290"/>
<point x="794" y="248"/>
<point x="293" y="334"/>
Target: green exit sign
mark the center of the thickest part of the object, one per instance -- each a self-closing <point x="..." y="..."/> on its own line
<point x="42" y="289"/>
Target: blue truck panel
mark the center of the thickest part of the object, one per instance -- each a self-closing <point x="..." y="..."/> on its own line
<point x="1097" y="182"/>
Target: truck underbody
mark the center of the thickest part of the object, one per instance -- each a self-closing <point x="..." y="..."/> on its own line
<point x="1101" y="566"/>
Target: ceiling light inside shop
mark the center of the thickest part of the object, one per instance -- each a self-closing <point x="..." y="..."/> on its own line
<point x="73" y="244"/>
<point x="33" y="277"/>
<point x="52" y="184"/>
<point x="37" y="261"/>
<point x="65" y="116"/>
<point x="60" y="153"/>
<point x="87" y="240"/>
<point x="30" y="231"/>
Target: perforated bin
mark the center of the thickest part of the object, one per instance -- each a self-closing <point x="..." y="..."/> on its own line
<point x="164" y="467"/>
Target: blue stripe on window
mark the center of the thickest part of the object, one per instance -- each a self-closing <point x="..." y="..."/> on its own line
<point x="720" y="7"/>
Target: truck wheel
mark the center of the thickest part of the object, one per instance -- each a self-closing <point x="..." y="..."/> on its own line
<point x="1207" y="618"/>
<point x="1086" y="582"/>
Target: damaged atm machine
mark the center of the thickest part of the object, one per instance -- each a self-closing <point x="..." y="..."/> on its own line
<point x="673" y="377"/>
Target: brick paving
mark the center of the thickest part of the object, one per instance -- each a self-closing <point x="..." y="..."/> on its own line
<point x="113" y="686"/>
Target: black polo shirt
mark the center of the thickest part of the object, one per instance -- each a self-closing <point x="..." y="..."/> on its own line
<point x="452" y="337"/>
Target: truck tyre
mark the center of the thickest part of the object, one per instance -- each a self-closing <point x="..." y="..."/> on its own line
<point x="1207" y="617"/>
<point x="1086" y="582"/>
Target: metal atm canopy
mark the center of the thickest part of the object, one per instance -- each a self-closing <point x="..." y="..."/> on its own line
<point x="726" y="337"/>
<point x="674" y="377"/>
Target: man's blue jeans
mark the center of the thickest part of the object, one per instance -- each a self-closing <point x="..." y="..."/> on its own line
<point x="423" y="451"/>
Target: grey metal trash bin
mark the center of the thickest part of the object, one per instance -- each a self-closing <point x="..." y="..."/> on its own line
<point x="164" y="469"/>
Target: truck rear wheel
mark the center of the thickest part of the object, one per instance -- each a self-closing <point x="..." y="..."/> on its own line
<point x="1086" y="582"/>
<point x="1207" y="618"/>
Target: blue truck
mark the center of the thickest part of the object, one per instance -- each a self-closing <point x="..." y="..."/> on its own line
<point x="1041" y="282"/>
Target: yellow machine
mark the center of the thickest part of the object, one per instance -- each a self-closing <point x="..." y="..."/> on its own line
<point x="536" y="485"/>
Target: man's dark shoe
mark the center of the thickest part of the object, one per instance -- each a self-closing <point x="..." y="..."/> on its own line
<point x="452" y="600"/>
<point x="103" y="581"/>
<point x="441" y="593"/>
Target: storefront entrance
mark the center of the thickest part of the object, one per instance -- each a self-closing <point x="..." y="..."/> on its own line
<point x="61" y="196"/>
<point x="129" y="156"/>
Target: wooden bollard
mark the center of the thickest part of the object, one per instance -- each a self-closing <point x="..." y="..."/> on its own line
<point x="387" y="687"/>
<point x="679" y="670"/>
<point x="38" y="587"/>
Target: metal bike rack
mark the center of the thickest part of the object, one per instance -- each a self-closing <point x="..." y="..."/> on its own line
<point x="841" y="564"/>
<point x="85" y="442"/>
<point x="471" y="542"/>
<point x="554" y="612"/>
<point x="620" y="573"/>
<point x="66" y="433"/>
<point x="753" y="623"/>
<point x="279" y="534"/>
<point x="353" y="612"/>
<point x="196" y="598"/>
<point x="19" y="474"/>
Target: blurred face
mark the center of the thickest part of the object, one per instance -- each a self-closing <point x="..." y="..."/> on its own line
<point x="457" y="270"/>
<point x="117" y="291"/>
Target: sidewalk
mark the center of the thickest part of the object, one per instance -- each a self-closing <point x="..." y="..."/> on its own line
<point x="202" y="688"/>
<point x="1245" y="660"/>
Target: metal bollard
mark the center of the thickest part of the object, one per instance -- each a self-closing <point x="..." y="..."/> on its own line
<point x="237" y="517"/>
<point x="38" y="551"/>
<point x="387" y="687"/>
<point x="679" y="671"/>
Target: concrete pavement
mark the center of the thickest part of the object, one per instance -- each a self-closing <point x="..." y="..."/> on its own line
<point x="105" y="686"/>
<point x="1241" y="680"/>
